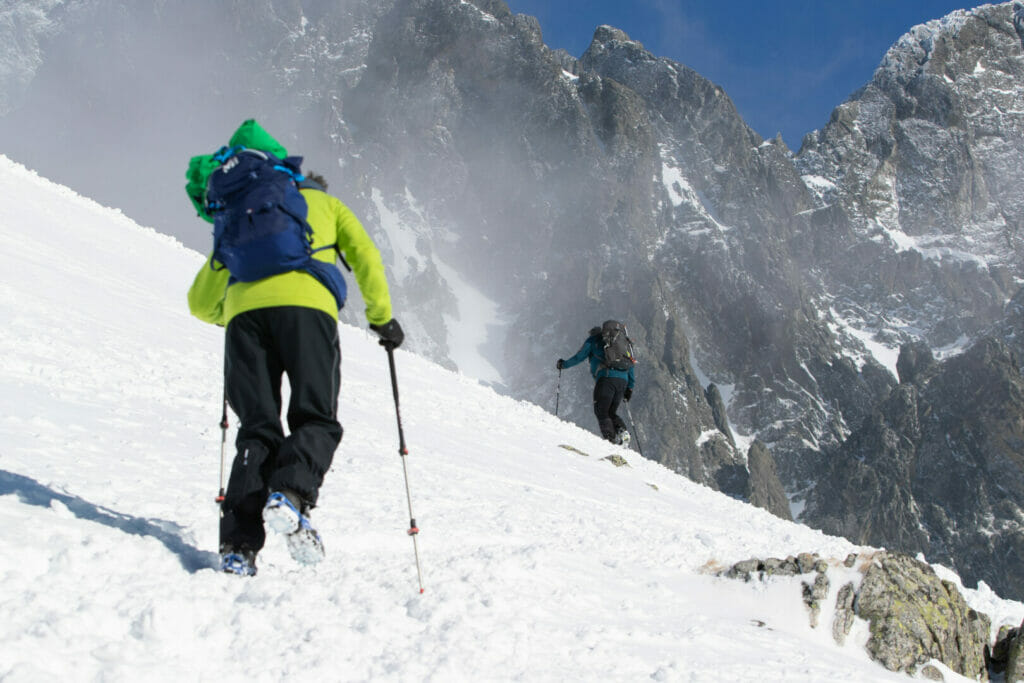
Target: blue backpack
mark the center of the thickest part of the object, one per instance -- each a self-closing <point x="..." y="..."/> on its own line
<point x="259" y="220"/>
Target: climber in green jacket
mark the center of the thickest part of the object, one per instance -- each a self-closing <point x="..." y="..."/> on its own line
<point x="284" y="324"/>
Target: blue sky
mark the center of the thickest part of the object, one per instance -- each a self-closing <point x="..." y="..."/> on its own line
<point x="786" y="64"/>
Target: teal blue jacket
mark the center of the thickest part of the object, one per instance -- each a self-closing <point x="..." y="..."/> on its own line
<point x="594" y="350"/>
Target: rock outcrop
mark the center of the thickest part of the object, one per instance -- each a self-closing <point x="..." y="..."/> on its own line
<point x="916" y="617"/>
<point x="913" y="615"/>
<point x="1008" y="653"/>
<point x="764" y="488"/>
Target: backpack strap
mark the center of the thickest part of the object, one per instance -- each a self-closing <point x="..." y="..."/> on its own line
<point x="225" y="153"/>
<point x="337" y="252"/>
<point x="310" y="228"/>
<point x="291" y="166"/>
<point x="310" y="184"/>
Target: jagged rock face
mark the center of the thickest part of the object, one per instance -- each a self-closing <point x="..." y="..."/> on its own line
<point x="924" y="164"/>
<point x="1008" y="652"/>
<point x="1011" y="328"/>
<point x="729" y="257"/>
<point x="1015" y="657"/>
<point x="564" y="202"/>
<point x="764" y="488"/>
<point x="939" y="468"/>
<point x="915" y="364"/>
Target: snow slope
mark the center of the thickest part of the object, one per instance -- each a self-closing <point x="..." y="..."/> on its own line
<point x="539" y="563"/>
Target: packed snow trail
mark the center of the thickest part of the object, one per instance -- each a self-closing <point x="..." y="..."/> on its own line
<point x="539" y="563"/>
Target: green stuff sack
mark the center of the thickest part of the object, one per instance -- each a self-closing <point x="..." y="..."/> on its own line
<point x="250" y="135"/>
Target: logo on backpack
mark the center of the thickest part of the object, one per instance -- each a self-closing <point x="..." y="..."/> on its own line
<point x="259" y="220"/>
<point x="618" y="347"/>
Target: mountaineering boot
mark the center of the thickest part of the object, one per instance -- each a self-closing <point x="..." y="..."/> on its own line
<point x="241" y="561"/>
<point x="283" y="514"/>
<point x="622" y="437"/>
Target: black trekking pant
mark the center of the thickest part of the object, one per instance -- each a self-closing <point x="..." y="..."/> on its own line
<point x="260" y="346"/>
<point x="608" y="393"/>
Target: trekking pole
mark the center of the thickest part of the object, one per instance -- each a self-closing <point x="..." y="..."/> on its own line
<point x="636" y="434"/>
<point x="558" y="390"/>
<point x="223" y="443"/>
<point x="403" y="451"/>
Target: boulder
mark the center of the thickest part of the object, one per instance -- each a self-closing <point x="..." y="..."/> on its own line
<point x="915" y="617"/>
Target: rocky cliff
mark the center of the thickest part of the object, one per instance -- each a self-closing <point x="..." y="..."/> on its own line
<point x="938" y="468"/>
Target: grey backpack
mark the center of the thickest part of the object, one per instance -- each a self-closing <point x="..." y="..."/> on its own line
<point x="618" y="348"/>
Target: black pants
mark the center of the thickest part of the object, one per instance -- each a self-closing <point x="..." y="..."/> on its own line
<point x="261" y="346"/>
<point x="607" y="396"/>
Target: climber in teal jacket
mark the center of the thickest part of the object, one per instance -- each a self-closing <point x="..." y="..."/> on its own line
<point x="611" y="386"/>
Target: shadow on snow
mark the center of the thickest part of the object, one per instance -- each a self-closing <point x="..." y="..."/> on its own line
<point x="31" y="492"/>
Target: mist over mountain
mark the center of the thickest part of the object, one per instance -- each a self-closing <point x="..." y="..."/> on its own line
<point x="521" y="195"/>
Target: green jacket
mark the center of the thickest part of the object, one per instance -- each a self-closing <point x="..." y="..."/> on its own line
<point x="211" y="299"/>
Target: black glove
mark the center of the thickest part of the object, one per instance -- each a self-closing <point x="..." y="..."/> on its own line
<point x="627" y="394"/>
<point x="560" y="364"/>
<point x="391" y="335"/>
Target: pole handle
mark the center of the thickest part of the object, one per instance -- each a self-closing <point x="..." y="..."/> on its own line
<point x="402" y="450"/>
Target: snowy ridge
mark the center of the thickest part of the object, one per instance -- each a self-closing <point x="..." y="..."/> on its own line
<point x="539" y="563"/>
<point x="949" y="88"/>
<point x="919" y="42"/>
